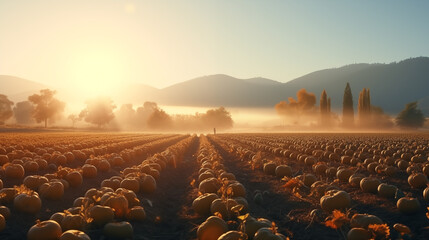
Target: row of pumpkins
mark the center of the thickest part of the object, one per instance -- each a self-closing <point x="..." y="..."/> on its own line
<point x="223" y="197"/>
<point x="116" y="199"/>
<point x="332" y="198"/>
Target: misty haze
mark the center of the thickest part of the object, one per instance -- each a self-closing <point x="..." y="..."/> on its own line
<point x="214" y="120"/>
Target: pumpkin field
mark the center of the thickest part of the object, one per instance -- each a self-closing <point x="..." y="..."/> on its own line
<point x="86" y="185"/>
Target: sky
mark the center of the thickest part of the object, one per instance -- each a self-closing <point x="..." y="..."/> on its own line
<point x="101" y="44"/>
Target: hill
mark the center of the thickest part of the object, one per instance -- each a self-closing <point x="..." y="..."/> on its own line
<point x="392" y="86"/>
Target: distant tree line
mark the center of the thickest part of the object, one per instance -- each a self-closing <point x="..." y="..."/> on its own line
<point x="303" y="110"/>
<point x="46" y="108"/>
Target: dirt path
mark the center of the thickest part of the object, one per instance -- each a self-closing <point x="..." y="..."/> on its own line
<point x="288" y="212"/>
<point x="164" y="218"/>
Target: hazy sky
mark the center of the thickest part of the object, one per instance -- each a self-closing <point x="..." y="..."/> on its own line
<point x="159" y="43"/>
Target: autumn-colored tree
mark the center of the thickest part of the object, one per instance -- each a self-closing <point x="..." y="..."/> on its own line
<point x="218" y="118"/>
<point x="23" y="112"/>
<point x="46" y="106"/>
<point x="364" y="106"/>
<point x="98" y="111"/>
<point x="348" y="112"/>
<point x="5" y="108"/>
<point x="411" y="116"/>
<point x="305" y="102"/>
<point x="159" y="120"/>
<point x="126" y="116"/>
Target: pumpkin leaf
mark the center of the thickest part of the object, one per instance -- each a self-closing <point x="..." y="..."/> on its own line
<point x="380" y="231"/>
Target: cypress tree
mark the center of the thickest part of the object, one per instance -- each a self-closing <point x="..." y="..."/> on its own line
<point x="348" y="112"/>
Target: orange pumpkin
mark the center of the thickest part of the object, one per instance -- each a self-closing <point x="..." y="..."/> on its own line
<point x="136" y="213"/>
<point x="52" y="190"/>
<point x="147" y="184"/>
<point x="131" y="184"/>
<point x="58" y="217"/>
<point x="118" y="230"/>
<point x="27" y="202"/>
<point x="118" y="203"/>
<point x="33" y="182"/>
<point x="14" y="171"/>
<point x="2" y="223"/>
<point x="417" y="180"/>
<point x="335" y="199"/>
<point x="101" y="214"/>
<point x="358" y="234"/>
<point x="201" y="204"/>
<point x="212" y="228"/>
<point x="89" y="171"/>
<point x="73" y="222"/>
<point x="74" y="235"/>
<point x="74" y="178"/>
<point x="46" y="230"/>
<point x="408" y="205"/>
<point x="5" y="211"/>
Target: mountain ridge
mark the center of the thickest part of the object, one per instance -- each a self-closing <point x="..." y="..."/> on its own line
<point x="392" y="85"/>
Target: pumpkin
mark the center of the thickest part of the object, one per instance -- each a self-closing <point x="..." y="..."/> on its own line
<point x="212" y="228"/>
<point x="101" y="214"/>
<point x="58" y="217"/>
<point x="417" y="180"/>
<point x="408" y="205"/>
<point x="74" y="178"/>
<point x="252" y="225"/>
<point x="82" y="201"/>
<point x="210" y="185"/>
<point x="320" y="168"/>
<point x="103" y="166"/>
<point x="403" y="229"/>
<point x="33" y="182"/>
<point x="52" y="190"/>
<point x="74" y="235"/>
<point x="238" y="190"/>
<point x="364" y="220"/>
<point x="111" y="183"/>
<point x="118" y="203"/>
<point x="402" y="164"/>
<point x="73" y="222"/>
<point x="46" y="230"/>
<point x="335" y="199"/>
<point x="358" y="234"/>
<point x="202" y="204"/>
<point x="232" y="235"/>
<point x="31" y="166"/>
<point x="344" y="174"/>
<point x="147" y="184"/>
<point x="7" y="195"/>
<point x="1" y="184"/>
<point x="386" y="190"/>
<point x="268" y="234"/>
<point x="27" y="202"/>
<point x="131" y="184"/>
<point x="14" y="171"/>
<point x="426" y="194"/>
<point x="229" y="176"/>
<point x="5" y="211"/>
<point x="89" y="171"/>
<point x="130" y="196"/>
<point x="2" y="223"/>
<point x="331" y="172"/>
<point x="243" y="202"/>
<point x="270" y="168"/>
<point x="369" y="184"/>
<point x="354" y="179"/>
<point x="3" y="159"/>
<point x="136" y="213"/>
<point x="118" y="230"/>
<point x="203" y="176"/>
<point x="219" y="206"/>
<point x="308" y="179"/>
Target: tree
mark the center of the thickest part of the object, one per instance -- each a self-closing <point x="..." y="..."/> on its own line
<point x="126" y="116"/>
<point x="160" y="120"/>
<point x="5" y="108"/>
<point x="217" y="118"/>
<point x="325" y="108"/>
<point x="348" y="112"/>
<point x="411" y="116"/>
<point x="23" y="112"/>
<point x="74" y="118"/>
<point x="47" y="107"/>
<point x="98" y="111"/>
<point x="364" y="106"/>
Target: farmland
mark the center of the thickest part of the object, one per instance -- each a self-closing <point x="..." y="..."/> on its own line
<point x="172" y="186"/>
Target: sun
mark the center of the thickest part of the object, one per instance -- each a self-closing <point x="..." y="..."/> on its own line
<point x="98" y="72"/>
